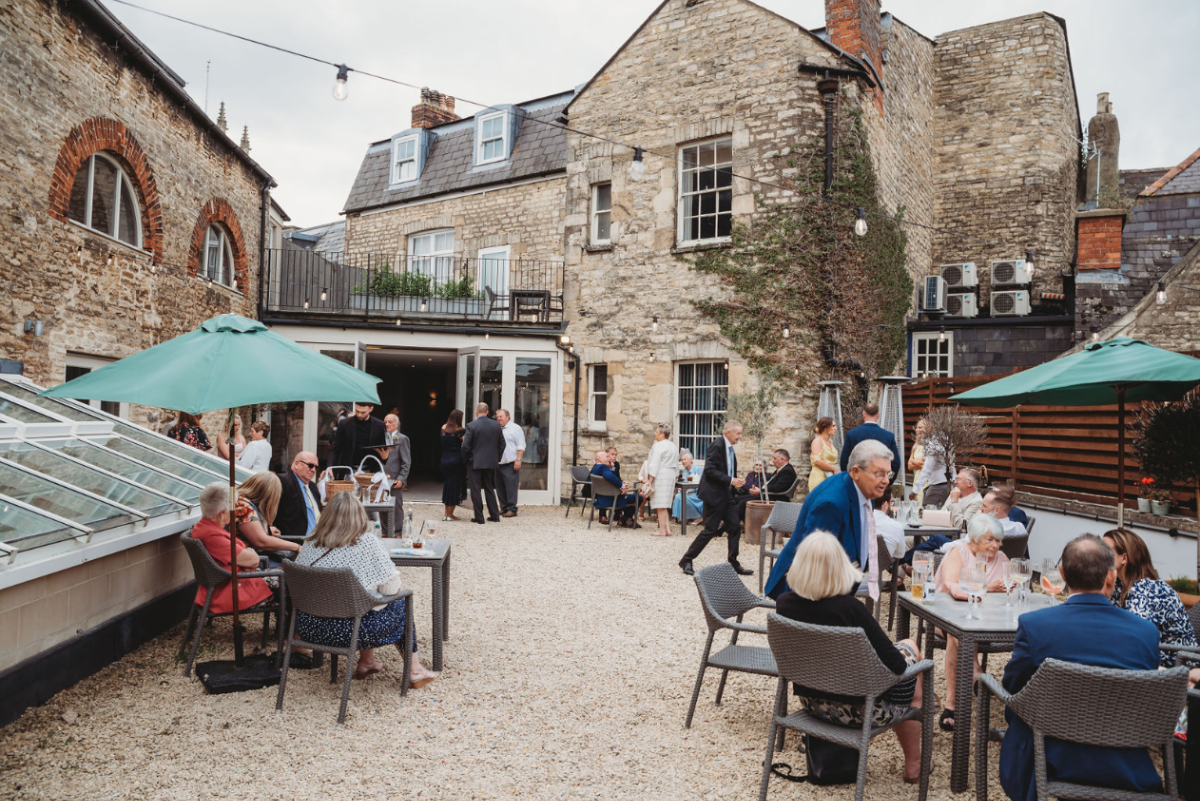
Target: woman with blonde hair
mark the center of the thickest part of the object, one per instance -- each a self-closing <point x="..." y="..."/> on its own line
<point x="662" y="465"/>
<point x="257" y="503"/>
<point x="824" y="454"/>
<point x="341" y="539"/>
<point x="822" y="584"/>
<point x="239" y="440"/>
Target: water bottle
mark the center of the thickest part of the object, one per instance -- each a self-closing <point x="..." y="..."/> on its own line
<point x="376" y="529"/>
<point x="406" y="536"/>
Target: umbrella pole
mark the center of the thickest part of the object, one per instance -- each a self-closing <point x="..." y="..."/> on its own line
<point x="1120" y="457"/>
<point x="233" y="566"/>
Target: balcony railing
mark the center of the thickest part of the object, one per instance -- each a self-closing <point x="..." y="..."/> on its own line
<point x="434" y="289"/>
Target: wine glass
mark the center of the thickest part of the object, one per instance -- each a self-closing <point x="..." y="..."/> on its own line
<point x="1020" y="570"/>
<point x="971" y="580"/>
<point x="1010" y="582"/>
<point x="1052" y="580"/>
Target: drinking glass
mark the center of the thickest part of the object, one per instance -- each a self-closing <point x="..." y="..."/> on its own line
<point x="419" y="540"/>
<point x="972" y="582"/>
<point x="1052" y="580"/>
<point x="1010" y="581"/>
<point x="1022" y="572"/>
<point x="919" y="577"/>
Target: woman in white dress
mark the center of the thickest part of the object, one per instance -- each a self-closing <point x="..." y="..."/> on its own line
<point x="661" y="467"/>
<point x="256" y="457"/>
<point x="239" y="441"/>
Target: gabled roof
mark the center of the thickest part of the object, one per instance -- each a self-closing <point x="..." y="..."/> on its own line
<point x="540" y="148"/>
<point x="1190" y="182"/>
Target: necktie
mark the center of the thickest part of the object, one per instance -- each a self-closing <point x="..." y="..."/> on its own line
<point x="873" y="565"/>
<point x="732" y="462"/>
<point x="310" y="506"/>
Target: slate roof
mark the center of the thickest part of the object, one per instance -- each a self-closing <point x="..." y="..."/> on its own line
<point x="1184" y="178"/>
<point x="539" y="149"/>
<point x="1132" y="182"/>
<point x="327" y="238"/>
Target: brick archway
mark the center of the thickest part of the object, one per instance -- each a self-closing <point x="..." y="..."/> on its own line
<point x="219" y="211"/>
<point x="102" y="134"/>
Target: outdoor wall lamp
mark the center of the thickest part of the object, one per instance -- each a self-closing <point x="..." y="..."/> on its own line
<point x="34" y="327"/>
<point x="566" y="340"/>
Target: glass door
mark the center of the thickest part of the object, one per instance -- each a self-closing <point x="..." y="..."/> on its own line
<point x="531" y="411"/>
<point x="467" y="384"/>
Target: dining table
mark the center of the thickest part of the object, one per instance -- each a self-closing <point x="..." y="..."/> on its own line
<point x="683" y="487"/>
<point x="993" y="628"/>
<point x="436" y="556"/>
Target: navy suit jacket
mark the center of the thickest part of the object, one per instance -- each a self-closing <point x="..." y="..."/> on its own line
<point x="869" y="431"/>
<point x="715" y="488"/>
<point x="1087" y="630"/>
<point x="834" y="507"/>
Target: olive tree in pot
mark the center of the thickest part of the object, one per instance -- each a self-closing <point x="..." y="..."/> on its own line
<point x="1167" y="443"/>
<point x="956" y="437"/>
<point x="755" y="410"/>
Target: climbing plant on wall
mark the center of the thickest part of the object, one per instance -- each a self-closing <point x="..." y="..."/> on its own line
<point x="799" y="262"/>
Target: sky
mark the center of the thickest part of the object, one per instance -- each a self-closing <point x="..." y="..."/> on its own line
<point x="1140" y="51"/>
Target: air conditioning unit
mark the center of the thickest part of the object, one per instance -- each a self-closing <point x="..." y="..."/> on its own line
<point x="960" y="276"/>
<point x="933" y="296"/>
<point x="1010" y="304"/>
<point x="1009" y="271"/>
<point x="962" y="305"/>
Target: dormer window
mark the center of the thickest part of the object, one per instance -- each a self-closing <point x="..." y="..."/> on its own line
<point x="404" y="160"/>
<point x="492" y="138"/>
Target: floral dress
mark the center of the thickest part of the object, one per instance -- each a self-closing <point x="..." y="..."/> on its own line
<point x="1154" y="600"/>
<point x="191" y="435"/>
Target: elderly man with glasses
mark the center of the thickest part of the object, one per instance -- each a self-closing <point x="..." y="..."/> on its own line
<point x="299" y="502"/>
<point x="964" y="500"/>
<point x="843" y="506"/>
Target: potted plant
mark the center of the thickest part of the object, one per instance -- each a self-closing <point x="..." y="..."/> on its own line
<point x="1187" y="589"/>
<point x="755" y="410"/>
<point x="1160" y="501"/>
<point x="1145" y="487"/>
<point x="955" y="437"/>
<point x="1168" y="444"/>
<point x="409" y="292"/>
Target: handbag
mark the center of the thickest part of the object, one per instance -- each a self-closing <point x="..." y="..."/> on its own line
<point x="828" y="763"/>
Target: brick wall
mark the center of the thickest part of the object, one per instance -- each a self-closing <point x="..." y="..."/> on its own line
<point x="435" y="108"/>
<point x="65" y="92"/>
<point x="1099" y="242"/>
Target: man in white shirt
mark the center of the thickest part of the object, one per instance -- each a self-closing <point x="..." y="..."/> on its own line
<point x="998" y="504"/>
<point x="890" y="529"/>
<point x="964" y="500"/>
<point x="510" y="463"/>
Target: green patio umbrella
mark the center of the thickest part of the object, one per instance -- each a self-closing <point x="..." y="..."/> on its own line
<point x="229" y="361"/>
<point x="1103" y="373"/>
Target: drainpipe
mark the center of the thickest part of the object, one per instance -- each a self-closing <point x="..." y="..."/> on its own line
<point x="575" y="434"/>
<point x="828" y="88"/>
<point x="262" y="244"/>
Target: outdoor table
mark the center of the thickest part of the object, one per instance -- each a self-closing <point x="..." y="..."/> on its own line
<point x="996" y="628"/>
<point x="683" y="487"/>
<point x="919" y="532"/>
<point x="439" y="562"/>
<point x="529" y="301"/>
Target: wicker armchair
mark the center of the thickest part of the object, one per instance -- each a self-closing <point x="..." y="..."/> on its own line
<point x="1015" y="547"/>
<point x="580" y="477"/>
<point x="782" y="520"/>
<point x="724" y="596"/>
<point x="1080" y="703"/>
<point x="338" y="594"/>
<point x="603" y="488"/>
<point x="841" y="661"/>
<point x="210" y="575"/>
<point x="1194" y="617"/>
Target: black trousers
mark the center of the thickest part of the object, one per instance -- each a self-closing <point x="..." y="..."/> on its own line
<point x="507" y="481"/>
<point x="485" y="481"/>
<point x="718" y="519"/>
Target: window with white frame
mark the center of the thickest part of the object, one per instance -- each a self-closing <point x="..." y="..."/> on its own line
<point x="404" y="160"/>
<point x="103" y="199"/>
<point x="217" y="264"/>
<point x="601" y="213"/>
<point x="494" y="269"/>
<point x="598" y="395"/>
<point x="706" y="191"/>
<point x="492" y="137"/>
<point x="701" y="391"/>
<point x="80" y="364"/>
<point x="432" y="253"/>
<point x="933" y="355"/>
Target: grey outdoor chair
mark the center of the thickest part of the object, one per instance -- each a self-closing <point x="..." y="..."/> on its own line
<point x="782" y="520"/>
<point x="724" y="596"/>
<point x="496" y="303"/>
<point x="840" y="661"/>
<point x="891" y="563"/>
<point x="603" y="488"/>
<point x="338" y="594"/>
<point x="1193" y="616"/>
<point x="210" y="575"/>
<point x="580" y="477"/>
<point x="1079" y="704"/>
<point x="1015" y="547"/>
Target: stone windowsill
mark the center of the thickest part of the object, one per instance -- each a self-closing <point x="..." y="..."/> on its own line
<point x="700" y="247"/>
<point x="605" y="248"/>
<point x="595" y="428"/>
<point x="1107" y="512"/>
<point x="112" y="240"/>
<point x="232" y="290"/>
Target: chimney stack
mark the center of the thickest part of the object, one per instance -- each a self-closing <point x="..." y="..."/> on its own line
<point x="1103" y="171"/>
<point x="435" y="108"/>
<point x="854" y="26"/>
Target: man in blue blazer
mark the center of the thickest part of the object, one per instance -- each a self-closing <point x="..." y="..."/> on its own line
<point x="841" y="505"/>
<point x="1089" y="630"/>
<point x="718" y="483"/>
<point x="870" y="429"/>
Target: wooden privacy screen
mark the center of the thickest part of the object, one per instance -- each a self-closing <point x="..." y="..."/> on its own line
<point x="1061" y="451"/>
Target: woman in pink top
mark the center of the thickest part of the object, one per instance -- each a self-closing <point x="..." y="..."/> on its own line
<point x="984" y="534"/>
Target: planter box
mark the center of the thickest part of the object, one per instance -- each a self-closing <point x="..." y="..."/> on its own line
<point x="1160" y="507"/>
<point x="1144" y="505"/>
<point x="410" y="304"/>
<point x="1188" y="599"/>
<point x="757" y="513"/>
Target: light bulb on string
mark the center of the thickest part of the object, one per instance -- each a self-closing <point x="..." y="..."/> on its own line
<point x="306" y="303"/>
<point x="340" y="90"/>
<point x="654" y="323"/>
<point x="422" y="304"/>
<point x="1160" y="297"/>
<point x="787" y="330"/>
<point x="942" y="334"/>
<point x="1095" y="334"/>
<point x="1029" y="264"/>
<point x="860" y="223"/>
<point x="487" y="335"/>
<point x="110" y="260"/>
<point x="324" y="293"/>
<point x="637" y="168"/>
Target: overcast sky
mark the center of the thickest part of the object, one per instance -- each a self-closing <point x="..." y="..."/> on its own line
<point x="1142" y="52"/>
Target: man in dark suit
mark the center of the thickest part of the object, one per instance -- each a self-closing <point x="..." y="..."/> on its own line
<point x="718" y="483"/>
<point x="482" y="446"/>
<point x="842" y="505"/>
<point x="777" y="485"/>
<point x="1088" y="630"/>
<point x="870" y="429"/>
<point x="397" y="464"/>
<point x="354" y="435"/>
<point x="299" y="501"/>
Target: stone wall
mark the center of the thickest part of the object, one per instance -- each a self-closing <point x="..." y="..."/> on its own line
<point x="1172" y="325"/>
<point x="56" y="76"/>
<point x="1006" y="163"/>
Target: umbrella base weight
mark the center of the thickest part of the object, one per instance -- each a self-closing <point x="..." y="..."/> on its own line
<point x="222" y="676"/>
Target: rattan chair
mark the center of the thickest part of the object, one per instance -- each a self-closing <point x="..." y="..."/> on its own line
<point x="210" y="575"/>
<point x="890" y="563"/>
<point x="724" y="596"/>
<point x="1193" y="616"/>
<point x="603" y="488"/>
<point x="580" y="477"/>
<point x="337" y="593"/>
<point x="841" y="661"/>
<point x="1015" y="547"/>
<point x="782" y="520"/>
<point x="1090" y="706"/>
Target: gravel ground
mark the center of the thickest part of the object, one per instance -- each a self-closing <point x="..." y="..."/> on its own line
<point x="568" y="674"/>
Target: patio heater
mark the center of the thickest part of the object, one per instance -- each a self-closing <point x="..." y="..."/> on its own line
<point x="829" y="404"/>
<point x="891" y="416"/>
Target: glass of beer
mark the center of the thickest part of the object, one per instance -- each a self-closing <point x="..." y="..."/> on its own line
<point x="419" y="540"/>
<point x="919" y="577"/>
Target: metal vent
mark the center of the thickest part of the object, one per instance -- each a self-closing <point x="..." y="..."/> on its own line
<point x="1004" y="272"/>
<point x="954" y="305"/>
<point x="1003" y="302"/>
<point x="953" y="274"/>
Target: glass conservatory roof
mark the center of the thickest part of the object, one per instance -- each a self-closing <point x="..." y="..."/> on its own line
<point x="69" y="471"/>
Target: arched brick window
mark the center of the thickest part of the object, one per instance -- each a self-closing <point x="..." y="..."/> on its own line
<point x="218" y="250"/>
<point x="99" y="167"/>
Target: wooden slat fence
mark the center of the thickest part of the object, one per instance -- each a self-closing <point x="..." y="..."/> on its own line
<point x="1060" y="451"/>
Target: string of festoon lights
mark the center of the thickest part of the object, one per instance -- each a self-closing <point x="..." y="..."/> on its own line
<point x="341" y="91"/>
